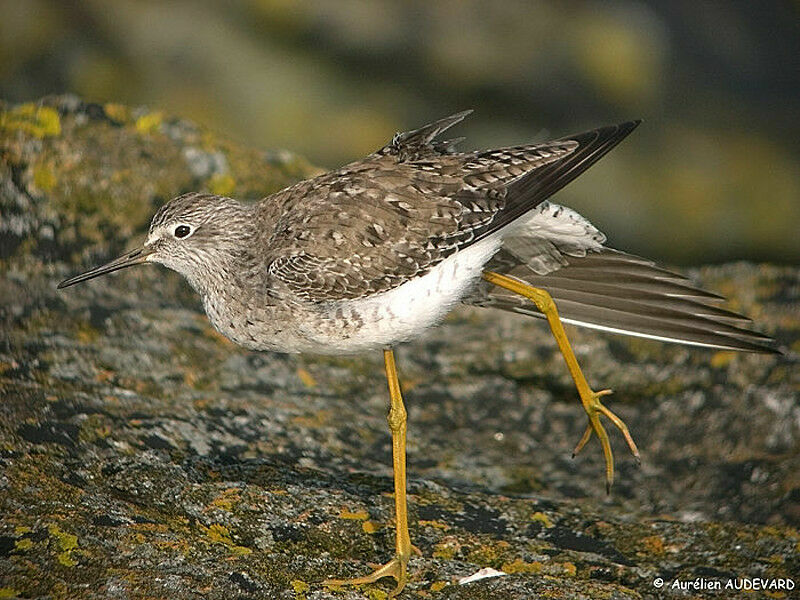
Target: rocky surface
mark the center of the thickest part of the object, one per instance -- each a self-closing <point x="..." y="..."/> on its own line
<point x="143" y="456"/>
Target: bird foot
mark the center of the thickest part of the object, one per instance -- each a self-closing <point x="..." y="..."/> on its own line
<point x="396" y="568"/>
<point x="594" y="408"/>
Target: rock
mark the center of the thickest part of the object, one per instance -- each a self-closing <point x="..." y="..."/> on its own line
<point x="144" y="456"/>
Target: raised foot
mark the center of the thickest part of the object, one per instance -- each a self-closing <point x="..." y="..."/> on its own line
<point x="397" y="568"/>
<point x="594" y="408"/>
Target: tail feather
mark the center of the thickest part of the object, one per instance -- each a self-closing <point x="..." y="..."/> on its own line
<point x="621" y="293"/>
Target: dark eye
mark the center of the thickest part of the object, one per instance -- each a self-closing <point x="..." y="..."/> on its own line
<point x="181" y="231"/>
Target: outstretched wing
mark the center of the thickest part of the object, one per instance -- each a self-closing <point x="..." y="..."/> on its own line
<point x="597" y="287"/>
<point x="377" y="223"/>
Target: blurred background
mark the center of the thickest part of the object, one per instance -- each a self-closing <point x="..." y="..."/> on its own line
<point x="712" y="175"/>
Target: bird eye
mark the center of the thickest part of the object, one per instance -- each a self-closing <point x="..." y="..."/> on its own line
<point x="181" y="231"/>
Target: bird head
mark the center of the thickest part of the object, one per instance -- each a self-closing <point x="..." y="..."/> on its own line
<point x="191" y="234"/>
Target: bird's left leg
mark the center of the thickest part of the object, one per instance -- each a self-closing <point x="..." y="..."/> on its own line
<point x="397" y="566"/>
<point x="589" y="398"/>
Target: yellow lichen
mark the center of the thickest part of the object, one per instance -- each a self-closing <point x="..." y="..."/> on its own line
<point x="44" y="178"/>
<point x="520" y="566"/>
<point x="447" y="548"/>
<point x="226" y="500"/>
<point x="438" y="586"/>
<point x="8" y="592"/>
<point x="66" y="543"/>
<point x="722" y="359"/>
<point x="360" y="515"/>
<point x="65" y="558"/>
<point x="221" y="185"/>
<point x="489" y="554"/>
<point x="300" y="588"/>
<point x="376" y="594"/>
<point x="434" y="524"/>
<point x="542" y="518"/>
<point x="23" y="544"/>
<point x="306" y="377"/>
<point x="219" y="534"/>
<point x="38" y="121"/>
<point x="370" y="526"/>
<point x="653" y="544"/>
<point x="149" y="123"/>
<point x="117" y="112"/>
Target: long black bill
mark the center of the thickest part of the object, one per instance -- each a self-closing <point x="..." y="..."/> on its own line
<point x="134" y="257"/>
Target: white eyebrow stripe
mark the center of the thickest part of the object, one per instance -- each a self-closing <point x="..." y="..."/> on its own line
<point x="154" y="235"/>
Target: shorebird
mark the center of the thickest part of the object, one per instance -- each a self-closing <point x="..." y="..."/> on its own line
<point x="373" y="254"/>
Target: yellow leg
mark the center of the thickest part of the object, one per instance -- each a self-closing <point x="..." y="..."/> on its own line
<point x="397" y="424"/>
<point x="590" y="399"/>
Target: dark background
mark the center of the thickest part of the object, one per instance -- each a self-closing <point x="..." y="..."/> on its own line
<point x="711" y="176"/>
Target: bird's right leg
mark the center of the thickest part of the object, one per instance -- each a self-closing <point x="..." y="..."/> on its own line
<point x="589" y="398"/>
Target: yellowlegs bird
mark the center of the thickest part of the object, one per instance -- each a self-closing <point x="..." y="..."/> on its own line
<point x="371" y="255"/>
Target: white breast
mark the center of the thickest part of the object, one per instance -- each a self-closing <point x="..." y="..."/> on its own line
<point x="404" y="312"/>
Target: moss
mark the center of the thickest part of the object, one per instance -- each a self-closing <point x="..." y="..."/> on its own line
<point x="38" y="121"/>
<point x="569" y="569"/>
<point x="8" y="592"/>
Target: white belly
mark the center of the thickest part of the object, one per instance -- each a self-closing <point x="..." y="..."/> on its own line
<point x="404" y="312"/>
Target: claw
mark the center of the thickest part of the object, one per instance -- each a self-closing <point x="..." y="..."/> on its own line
<point x="594" y="408"/>
<point x="396" y="568"/>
